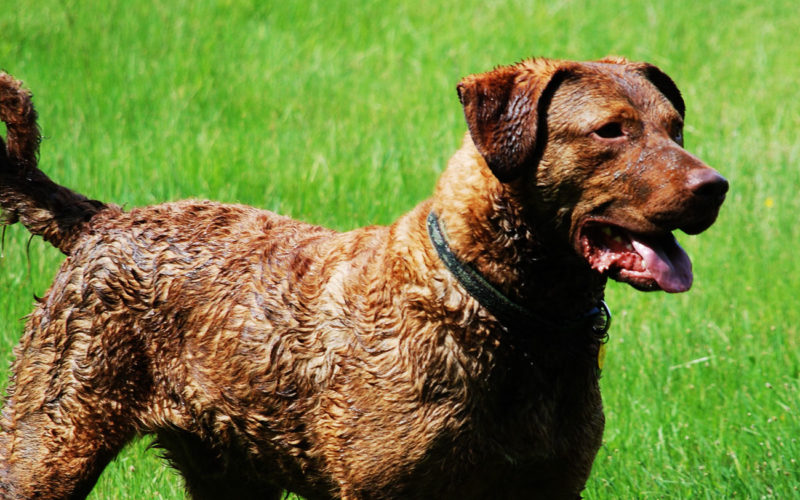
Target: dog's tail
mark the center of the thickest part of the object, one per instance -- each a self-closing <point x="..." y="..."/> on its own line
<point x="27" y="195"/>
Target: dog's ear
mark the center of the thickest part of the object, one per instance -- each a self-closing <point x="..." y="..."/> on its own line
<point x="665" y="85"/>
<point x="506" y="112"/>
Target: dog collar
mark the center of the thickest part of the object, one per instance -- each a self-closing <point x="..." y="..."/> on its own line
<point x="508" y="312"/>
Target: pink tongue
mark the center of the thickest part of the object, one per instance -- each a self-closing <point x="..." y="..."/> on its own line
<point x="670" y="266"/>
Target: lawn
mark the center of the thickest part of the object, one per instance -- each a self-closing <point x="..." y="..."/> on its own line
<point x="344" y="113"/>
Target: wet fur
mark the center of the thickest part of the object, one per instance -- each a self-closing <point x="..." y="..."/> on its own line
<point x="268" y="354"/>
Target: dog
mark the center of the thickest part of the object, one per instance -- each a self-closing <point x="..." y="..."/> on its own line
<point x="453" y="354"/>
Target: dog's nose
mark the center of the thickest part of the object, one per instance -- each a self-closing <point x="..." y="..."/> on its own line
<point x="707" y="185"/>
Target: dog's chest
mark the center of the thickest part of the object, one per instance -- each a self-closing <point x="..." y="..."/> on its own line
<point x="528" y="412"/>
<point x="512" y="436"/>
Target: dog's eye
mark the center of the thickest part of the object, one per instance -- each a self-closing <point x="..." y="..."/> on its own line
<point x="611" y="130"/>
<point x="678" y="137"/>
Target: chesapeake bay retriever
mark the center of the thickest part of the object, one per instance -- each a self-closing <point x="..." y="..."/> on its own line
<point x="452" y="354"/>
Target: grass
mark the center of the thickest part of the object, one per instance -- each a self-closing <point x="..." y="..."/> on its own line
<point x="343" y="114"/>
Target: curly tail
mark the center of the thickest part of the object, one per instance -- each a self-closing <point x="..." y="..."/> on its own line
<point x="27" y="195"/>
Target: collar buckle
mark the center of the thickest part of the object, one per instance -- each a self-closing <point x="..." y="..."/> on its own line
<point x="601" y="321"/>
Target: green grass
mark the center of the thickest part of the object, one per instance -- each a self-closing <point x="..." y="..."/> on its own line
<point x="343" y="114"/>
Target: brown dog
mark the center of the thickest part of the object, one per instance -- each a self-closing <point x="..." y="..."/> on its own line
<point x="450" y="355"/>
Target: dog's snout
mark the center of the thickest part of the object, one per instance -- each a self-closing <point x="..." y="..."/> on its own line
<point x="707" y="185"/>
<point x="706" y="190"/>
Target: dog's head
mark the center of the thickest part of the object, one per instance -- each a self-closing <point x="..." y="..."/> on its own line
<point x="597" y="150"/>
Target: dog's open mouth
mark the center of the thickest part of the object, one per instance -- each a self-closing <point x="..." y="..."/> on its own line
<point x="644" y="261"/>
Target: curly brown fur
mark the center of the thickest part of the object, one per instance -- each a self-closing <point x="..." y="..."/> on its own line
<point x="269" y="354"/>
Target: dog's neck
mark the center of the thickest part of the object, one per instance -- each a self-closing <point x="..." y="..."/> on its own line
<point x="488" y="228"/>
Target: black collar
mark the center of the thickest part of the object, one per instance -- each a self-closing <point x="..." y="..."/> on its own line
<point x="508" y="312"/>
